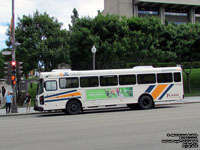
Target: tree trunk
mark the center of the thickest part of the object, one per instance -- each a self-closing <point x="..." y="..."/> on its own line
<point x="188" y="82"/>
<point x="188" y="79"/>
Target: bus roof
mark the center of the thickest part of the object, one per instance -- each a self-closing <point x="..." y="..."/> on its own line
<point x="136" y="70"/>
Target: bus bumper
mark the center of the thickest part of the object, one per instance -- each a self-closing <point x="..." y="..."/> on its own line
<point x="36" y="108"/>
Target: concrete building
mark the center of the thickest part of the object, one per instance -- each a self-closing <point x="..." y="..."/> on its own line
<point x="176" y="11"/>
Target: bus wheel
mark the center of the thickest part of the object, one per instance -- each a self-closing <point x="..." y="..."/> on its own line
<point x="133" y="106"/>
<point x="145" y="102"/>
<point x="73" y="107"/>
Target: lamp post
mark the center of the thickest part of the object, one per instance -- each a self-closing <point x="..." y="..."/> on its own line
<point x="93" y="50"/>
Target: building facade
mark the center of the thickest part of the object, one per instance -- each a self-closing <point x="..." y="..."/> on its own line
<point x="176" y="11"/>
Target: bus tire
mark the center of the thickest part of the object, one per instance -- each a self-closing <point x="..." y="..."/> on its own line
<point x="73" y="107"/>
<point x="133" y="106"/>
<point x="146" y="102"/>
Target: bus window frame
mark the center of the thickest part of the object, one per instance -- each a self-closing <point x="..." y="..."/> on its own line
<point x="155" y="75"/>
<point x="78" y="79"/>
<point x="127" y="75"/>
<point x="108" y="76"/>
<point x="40" y="86"/>
<point x="50" y="81"/>
<point x="98" y="82"/>
<point x="180" y="77"/>
<point x="172" y="77"/>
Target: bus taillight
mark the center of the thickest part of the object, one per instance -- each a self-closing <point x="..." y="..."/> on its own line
<point x="41" y="100"/>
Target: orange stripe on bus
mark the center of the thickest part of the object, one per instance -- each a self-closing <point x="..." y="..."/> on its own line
<point x="159" y="89"/>
<point x="66" y="95"/>
<point x="70" y="95"/>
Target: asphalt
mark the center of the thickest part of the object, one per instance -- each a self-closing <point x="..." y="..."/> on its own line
<point x="23" y="111"/>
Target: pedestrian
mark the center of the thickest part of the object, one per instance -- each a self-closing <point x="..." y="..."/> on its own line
<point x="8" y="100"/>
<point x="28" y="102"/>
<point x="3" y="91"/>
<point x="0" y="99"/>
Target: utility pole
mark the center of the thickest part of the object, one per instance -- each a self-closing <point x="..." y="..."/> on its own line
<point x="14" y="106"/>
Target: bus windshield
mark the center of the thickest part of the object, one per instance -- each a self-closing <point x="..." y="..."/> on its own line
<point x="40" y="87"/>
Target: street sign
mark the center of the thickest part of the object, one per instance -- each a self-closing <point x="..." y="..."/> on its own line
<point x="6" y="52"/>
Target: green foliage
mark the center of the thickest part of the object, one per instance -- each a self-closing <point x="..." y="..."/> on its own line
<point x="32" y="92"/>
<point x="119" y="40"/>
<point x="1" y="66"/>
<point x="41" y="42"/>
<point x="74" y="18"/>
<point x="195" y="82"/>
<point x="186" y="43"/>
<point x="146" y="37"/>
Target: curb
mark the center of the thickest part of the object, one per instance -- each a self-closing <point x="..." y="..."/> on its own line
<point x="177" y="103"/>
<point x="20" y="114"/>
<point x="32" y="113"/>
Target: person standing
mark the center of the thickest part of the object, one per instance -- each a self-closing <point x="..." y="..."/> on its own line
<point x="28" y="102"/>
<point x="8" y="100"/>
<point x="0" y="99"/>
<point x="3" y="91"/>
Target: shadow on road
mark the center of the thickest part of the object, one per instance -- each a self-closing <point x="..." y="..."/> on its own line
<point x="106" y="110"/>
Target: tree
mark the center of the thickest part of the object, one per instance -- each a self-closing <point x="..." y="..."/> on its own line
<point x="41" y="42"/>
<point x="145" y="41"/>
<point x="185" y="47"/>
<point x="107" y="33"/>
<point x="119" y="41"/>
<point x="74" y="18"/>
<point x="80" y="45"/>
<point x="1" y="66"/>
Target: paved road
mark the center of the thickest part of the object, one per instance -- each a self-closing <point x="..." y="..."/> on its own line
<point x="112" y="130"/>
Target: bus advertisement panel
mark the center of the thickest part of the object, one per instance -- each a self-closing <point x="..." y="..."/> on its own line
<point x="109" y="93"/>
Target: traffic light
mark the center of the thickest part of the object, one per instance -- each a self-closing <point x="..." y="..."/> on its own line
<point x="7" y="72"/>
<point x="13" y="65"/>
<point x="7" y="68"/>
<point x="19" y="70"/>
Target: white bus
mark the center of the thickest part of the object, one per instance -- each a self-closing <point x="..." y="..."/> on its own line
<point x="139" y="87"/>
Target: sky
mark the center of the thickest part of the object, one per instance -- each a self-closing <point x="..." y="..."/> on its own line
<point x="60" y="9"/>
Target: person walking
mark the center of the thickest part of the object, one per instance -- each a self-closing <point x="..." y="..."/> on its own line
<point x="8" y="100"/>
<point x="28" y="102"/>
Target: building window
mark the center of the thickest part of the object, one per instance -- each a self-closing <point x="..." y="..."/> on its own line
<point x="176" y="14"/>
<point x="177" y="23"/>
<point x="197" y="15"/>
<point x="145" y="12"/>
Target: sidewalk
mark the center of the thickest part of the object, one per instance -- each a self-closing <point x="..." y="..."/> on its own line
<point x="22" y="110"/>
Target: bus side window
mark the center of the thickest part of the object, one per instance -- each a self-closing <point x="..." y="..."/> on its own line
<point x="108" y="80"/>
<point x="89" y="81"/>
<point x="146" y="78"/>
<point x="50" y="85"/>
<point x="69" y="83"/>
<point x="177" y="77"/>
<point x="127" y="79"/>
<point x="164" y="77"/>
